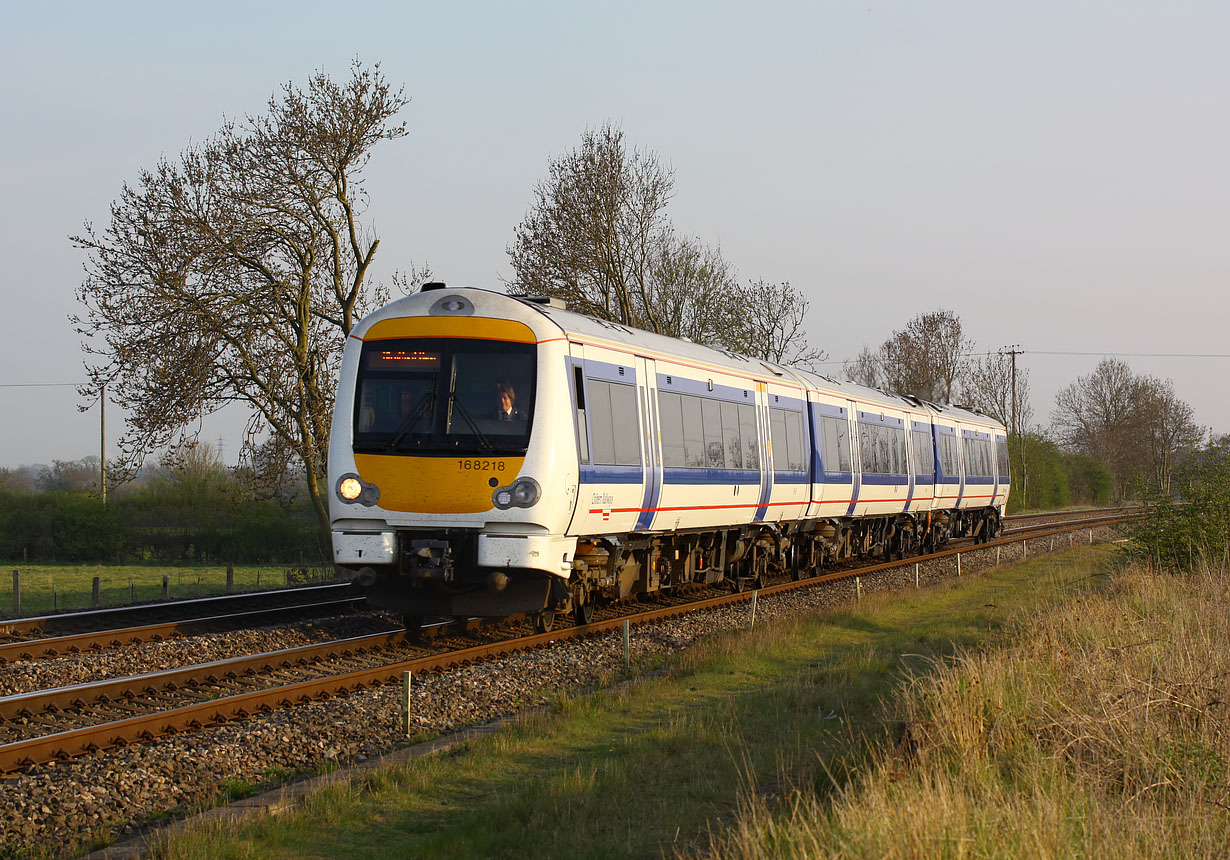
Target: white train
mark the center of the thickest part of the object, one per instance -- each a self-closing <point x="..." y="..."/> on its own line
<point x="492" y="455"/>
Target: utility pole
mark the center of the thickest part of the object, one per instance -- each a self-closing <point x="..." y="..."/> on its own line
<point x="1014" y="351"/>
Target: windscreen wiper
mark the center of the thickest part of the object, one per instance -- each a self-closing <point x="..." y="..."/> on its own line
<point x="483" y="442"/>
<point x="412" y="419"/>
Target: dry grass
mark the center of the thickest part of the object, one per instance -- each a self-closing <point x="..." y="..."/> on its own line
<point x="1101" y="732"/>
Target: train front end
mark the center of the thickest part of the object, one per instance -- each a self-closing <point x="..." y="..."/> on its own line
<point x="452" y="466"/>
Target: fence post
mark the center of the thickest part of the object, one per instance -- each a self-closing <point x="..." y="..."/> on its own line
<point x="752" y="621"/>
<point x="1052" y="543"/>
<point x="916" y="574"/>
<point x="1024" y="549"/>
<point x="958" y="564"/>
<point x="997" y="556"/>
<point x="16" y="592"/>
<point x="132" y="592"/>
<point x="96" y="593"/>
<point x="405" y="703"/>
<point x="1091" y="537"/>
<point x="627" y="647"/>
<point x="166" y="587"/>
<point x="858" y="587"/>
<point x="230" y="578"/>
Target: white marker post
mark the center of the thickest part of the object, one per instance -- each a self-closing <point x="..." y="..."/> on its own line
<point x="752" y="622"/>
<point x="405" y="703"/>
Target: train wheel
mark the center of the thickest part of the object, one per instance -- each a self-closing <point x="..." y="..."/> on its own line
<point x="544" y="622"/>
<point x="584" y="613"/>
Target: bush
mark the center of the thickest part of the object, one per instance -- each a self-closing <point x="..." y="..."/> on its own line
<point x="1192" y="521"/>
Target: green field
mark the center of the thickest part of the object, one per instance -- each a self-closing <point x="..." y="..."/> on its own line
<point x="915" y="724"/>
<point x="47" y="588"/>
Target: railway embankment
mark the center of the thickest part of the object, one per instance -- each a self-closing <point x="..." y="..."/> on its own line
<point x="692" y="730"/>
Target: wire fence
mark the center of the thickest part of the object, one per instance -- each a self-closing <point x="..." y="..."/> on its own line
<point x="44" y="590"/>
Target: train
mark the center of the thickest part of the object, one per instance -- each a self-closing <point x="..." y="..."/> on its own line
<point x="495" y="455"/>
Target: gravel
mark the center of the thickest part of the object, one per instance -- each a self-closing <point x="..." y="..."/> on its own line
<point x="114" y="794"/>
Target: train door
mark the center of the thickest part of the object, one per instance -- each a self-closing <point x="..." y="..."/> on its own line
<point x="610" y="436"/>
<point x="647" y="396"/>
<point x="762" y="446"/>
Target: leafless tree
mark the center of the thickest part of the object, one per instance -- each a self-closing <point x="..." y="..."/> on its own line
<point x="236" y="272"/>
<point x="927" y="358"/>
<point x="597" y="236"/>
<point x="1167" y="427"/>
<point x="1096" y="415"/>
<point x="768" y="323"/>
<point x="596" y="222"/>
<point x="988" y="385"/>
<point x="1136" y="425"/>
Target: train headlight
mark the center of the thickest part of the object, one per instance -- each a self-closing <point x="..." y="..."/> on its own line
<point x="523" y="493"/>
<point x="350" y="488"/>
<point x="353" y="490"/>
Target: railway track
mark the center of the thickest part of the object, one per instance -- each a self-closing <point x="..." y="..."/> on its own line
<point x="81" y="719"/>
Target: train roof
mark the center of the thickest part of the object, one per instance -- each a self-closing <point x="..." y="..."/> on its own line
<point x="640" y="340"/>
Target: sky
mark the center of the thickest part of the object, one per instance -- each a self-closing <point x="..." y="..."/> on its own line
<point x="1055" y="173"/>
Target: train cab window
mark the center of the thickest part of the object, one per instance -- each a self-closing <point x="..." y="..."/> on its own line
<point x="616" y="438"/>
<point x="1001" y="456"/>
<point x="444" y="396"/>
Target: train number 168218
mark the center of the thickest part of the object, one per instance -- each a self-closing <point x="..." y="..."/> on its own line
<point x="480" y="465"/>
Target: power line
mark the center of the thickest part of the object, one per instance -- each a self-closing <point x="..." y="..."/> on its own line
<point x="41" y="384"/>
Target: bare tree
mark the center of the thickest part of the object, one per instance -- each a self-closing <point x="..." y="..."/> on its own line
<point x="927" y="358"/>
<point x="1096" y="415"/>
<point x="591" y="235"/>
<point x="597" y="236"/>
<point x="235" y="273"/>
<point x="768" y="324"/>
<point x="988" y="385"/>
<point x="694" y="290"/>
<point x="1167" y="428"/>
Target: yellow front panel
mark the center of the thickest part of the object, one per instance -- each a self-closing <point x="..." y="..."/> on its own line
<point x="483" y="328"/>
<point x="437" y="485"/>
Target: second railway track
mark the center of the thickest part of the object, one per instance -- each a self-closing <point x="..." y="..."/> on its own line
<point x="82" y="719"/>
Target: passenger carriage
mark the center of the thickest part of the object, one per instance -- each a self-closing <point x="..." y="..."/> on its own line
<point x="493" y="455"/>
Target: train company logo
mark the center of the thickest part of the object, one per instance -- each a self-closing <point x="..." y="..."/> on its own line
<point x="602" y="500"/>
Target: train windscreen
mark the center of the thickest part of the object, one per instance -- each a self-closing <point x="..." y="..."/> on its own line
<point x="450" y="396"/>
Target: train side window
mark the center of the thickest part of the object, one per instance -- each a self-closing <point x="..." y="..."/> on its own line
<point x="777" y="437"/>
<point x="836" y="433"/>
<point x="582" y="431"/>
<point x="693" y="432"/>
<point x="616" y="437"/>
<point x="751" y="440"/>
<point x="796" y="461"/>
<point x="715" y="458"/>
<point x="625" y="426"/>
<point x="670" y="418"/>
<point x="730" y="436"/>
<point x="602" y="441"/>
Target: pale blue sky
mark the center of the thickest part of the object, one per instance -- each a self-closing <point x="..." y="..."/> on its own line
<point x="1057" y="173"/>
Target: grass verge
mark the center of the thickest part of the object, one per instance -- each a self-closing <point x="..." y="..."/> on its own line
<point x="47" y="588"/>
<point x="734" y="731"/>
